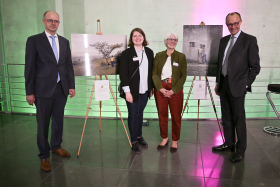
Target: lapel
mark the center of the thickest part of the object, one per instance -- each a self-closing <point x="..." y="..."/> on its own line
<point x="133" y="55"/>
<point x="162" y="60"/>
<point x="61" y="46"/>
<point x="48" y="46"/>
<point x="226" y="40"/>
<point x="133" y="52"/>
<point x="172" y="58"/>
<point x="150" y="57"/>
<point x="238" y="42"/>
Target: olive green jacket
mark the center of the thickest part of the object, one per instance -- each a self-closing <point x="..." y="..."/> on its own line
<point x="179" y="73"/>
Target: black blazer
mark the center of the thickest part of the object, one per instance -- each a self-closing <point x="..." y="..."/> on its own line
<point x="128" y="67"/>
<point x="243" y="63"/>
<point x="41" y="68"/>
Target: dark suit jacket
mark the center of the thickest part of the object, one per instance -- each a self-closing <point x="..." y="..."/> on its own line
<point x="243" y="63"/>
<point x="179" y="73"/>
<point x="41" y="68"/>
<point x="128" y="67"/>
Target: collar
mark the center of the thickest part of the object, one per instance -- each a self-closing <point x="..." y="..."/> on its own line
<point x="143" y="49"/>
<point x="48" y="34"/>
<point x="237" y="35"/>
<point x="171" y="54"/>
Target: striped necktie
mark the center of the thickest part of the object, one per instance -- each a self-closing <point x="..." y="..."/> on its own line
<point x="225" y="65"/>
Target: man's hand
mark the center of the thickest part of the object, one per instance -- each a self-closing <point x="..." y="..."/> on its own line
<point x="72" y="93"/>
<point x="30" y="99"/>
<point x="128" y="97"/>
<point x="216" y="91"/>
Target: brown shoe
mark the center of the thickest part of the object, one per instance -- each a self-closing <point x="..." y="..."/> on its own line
<point x="62" y="152"/>
<point x="45" y="164"/>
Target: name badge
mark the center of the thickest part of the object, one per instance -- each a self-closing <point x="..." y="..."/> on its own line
<point x="175" y="64"/>
<point x="135" y="59"/>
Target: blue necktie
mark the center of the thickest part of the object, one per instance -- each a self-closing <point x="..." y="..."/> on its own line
<point x="55" y="53"/>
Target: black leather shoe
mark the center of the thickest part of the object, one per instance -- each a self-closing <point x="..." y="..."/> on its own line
<point x="135" y="148"/>
<point x="159" y="147"/>
<point x="142" y="142"/>
<point x="237" y="157"/>
<point x="223" y="147"/>
<point x="173" y="149"/>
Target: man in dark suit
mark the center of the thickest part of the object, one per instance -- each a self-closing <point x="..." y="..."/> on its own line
<point x="238" y="66"/>
<point x="49" y="78"/>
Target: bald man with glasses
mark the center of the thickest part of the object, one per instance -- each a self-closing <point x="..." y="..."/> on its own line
<point x="49" y="79"/>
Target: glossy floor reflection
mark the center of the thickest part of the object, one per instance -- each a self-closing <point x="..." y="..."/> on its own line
<point x="106" y="160"/>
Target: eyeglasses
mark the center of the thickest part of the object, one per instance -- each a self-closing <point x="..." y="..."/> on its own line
<point x="235" y="24"/>
<point x="52" y="21"/>
<point x="171" y="39"/>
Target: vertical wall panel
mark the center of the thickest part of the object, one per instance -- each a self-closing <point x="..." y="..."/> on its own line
<point x="21" y="19"/>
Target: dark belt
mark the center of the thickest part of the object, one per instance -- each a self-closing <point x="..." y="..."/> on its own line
<point x="168" y="80"/>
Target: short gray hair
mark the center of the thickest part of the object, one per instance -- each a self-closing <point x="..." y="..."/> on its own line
<point x="168" y="35"/>
<point x="44" y="16"/>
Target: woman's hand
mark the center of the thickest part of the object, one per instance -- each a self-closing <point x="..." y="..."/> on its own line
<point x="169" y="93"/>
<point x="128" y="97"/>
<point x="164" y="92"/>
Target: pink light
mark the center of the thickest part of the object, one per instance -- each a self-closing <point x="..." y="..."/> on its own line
<point x="218" y="138"/>
<point x="214" y="12"/>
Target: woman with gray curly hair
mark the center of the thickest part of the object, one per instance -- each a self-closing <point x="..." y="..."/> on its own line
<point x="169" y="75"/>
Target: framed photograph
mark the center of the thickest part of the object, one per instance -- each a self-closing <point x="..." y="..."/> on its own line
<point x="201" y="47"/>
<point x="97" y="54"/>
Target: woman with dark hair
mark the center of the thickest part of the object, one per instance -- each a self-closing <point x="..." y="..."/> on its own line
<point x="136" y="81"/>
<point x="169" y="76"/>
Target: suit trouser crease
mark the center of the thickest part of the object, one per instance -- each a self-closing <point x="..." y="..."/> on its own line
<point x="135" y="116"/>
<point x="233" y="117"/>
<point x="175" y="104"/>
<point x="47" y="108"/>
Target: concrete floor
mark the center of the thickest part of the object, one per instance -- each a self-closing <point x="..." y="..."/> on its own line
<point x="106" y="159"/>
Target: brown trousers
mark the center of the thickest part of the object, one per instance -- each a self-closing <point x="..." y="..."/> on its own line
<point x="175" y="105"/>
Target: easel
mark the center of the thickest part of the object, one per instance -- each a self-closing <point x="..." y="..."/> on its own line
<point x="100" y="102"/>
<point x="210" y="93"/>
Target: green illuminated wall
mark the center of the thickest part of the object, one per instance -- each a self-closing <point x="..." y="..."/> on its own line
<point x="20" y="19"/>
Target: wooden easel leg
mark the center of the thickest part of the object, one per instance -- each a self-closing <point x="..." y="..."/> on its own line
<point x="88" y="108"/>
<point x="186" y="104"/>
<point x="118" y="110"/>
<point x="198" y="103"/>
<point x="210" y="93"/>
<point x="100" y="106"/>
<point x="198" y="113"/>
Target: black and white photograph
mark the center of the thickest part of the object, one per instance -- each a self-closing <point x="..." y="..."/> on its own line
<point x="201" y="47"/>
<point x="97" y="54"/>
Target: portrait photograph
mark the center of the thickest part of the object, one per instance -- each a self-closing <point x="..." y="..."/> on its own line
<point x="201" y="47"/>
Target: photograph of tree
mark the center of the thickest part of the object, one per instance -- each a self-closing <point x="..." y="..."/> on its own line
<point x="201" y="47"/>
<point x="97" y="54"/>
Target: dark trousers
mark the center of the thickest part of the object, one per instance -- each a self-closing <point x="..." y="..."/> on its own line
<point x="47" y="108"/>
<point x="233" y="116"/>
<point x="135" y="116"/>
<point x="175" y="104"/>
